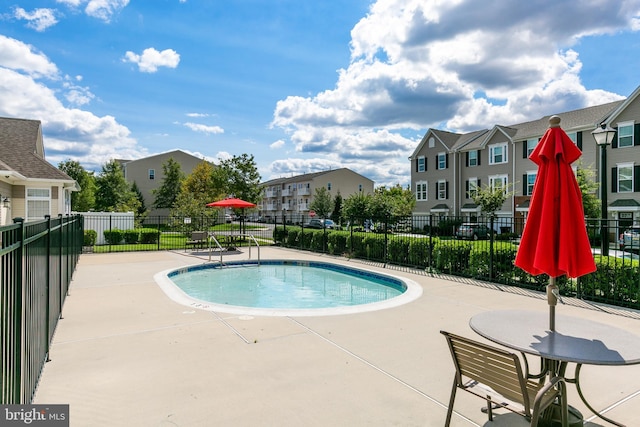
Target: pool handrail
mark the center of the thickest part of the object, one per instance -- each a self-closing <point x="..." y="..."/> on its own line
<point x="213" y="237"/>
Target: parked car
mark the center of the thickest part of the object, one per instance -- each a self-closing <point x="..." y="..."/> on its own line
<point x="228" y="218"/>
<point x="472" y="231"/>
<point x="631" y="238"/>
<point x="320" y="223"/>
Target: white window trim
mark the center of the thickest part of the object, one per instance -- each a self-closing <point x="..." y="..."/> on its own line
<point x="626" y="124"/>
<point x="530" y="173"/>
<point x="475" y="159"/>
<point x="426" y="191"/>
<point x="37" y="198"/>
<point x="444" y="158"/>
<point x="503" y="177"/>
<point x="422" y="164"/>
<point x="505" y="153"/>
<point x="529" y="151"/>
<point x="475" y="181"/>
<point x="443" y="189"/>
<point x="625" y="165"/>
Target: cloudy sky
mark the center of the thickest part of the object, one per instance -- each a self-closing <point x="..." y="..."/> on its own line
<point x="303" y="85"/>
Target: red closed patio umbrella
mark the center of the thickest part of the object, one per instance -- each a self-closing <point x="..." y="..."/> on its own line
<point x="554" y="240"/>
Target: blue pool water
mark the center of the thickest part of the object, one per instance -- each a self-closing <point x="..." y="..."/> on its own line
<point x="283" y="285"/>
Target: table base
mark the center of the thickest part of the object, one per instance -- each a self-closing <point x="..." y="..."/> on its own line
<point x="551" y="417"/>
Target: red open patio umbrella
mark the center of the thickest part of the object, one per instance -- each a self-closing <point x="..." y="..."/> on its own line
<point x="554" y="240"/>
<point x="231" y="203"/>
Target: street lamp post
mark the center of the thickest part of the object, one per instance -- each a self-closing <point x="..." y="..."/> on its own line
<point x="604" y="136"/>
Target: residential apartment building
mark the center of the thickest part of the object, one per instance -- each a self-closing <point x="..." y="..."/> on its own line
<point x="291" y="197"/>
<point x="148" y="174"/>
<point x="30" y="186"/>
<point x="448" y="168"/>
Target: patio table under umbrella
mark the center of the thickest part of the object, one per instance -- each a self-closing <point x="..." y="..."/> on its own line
<point x="554" y="240"/>
<point x="234" y="203"/>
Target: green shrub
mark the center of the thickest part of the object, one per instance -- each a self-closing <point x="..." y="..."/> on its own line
<point x="292" y="238"/>
<point x="113" y="237"/>
<point x="614" y="280"/>
<point x="398" y="251"/>
<point x="279" y="235"/>
<point x="451" y="256"/>
<point x="337" y="243"/>
<point x="419" y="251"/>
<point x="374" y="247"/>
<point x="131" y="236"/>
<point x="317" y="241"/>
<point x="305" y="239"/>
<point x="355" y="246"/>
<point x="90" y="237"/>
<point x="149" y="235"/>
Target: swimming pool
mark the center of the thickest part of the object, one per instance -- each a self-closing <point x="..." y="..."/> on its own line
<point x="285" y="287"/>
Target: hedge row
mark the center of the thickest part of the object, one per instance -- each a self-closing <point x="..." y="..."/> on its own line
<point x="614" y="280"/>
<point x="138" y="235"/>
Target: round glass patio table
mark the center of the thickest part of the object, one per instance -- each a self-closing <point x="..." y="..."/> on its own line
<point x="575" y="340"/>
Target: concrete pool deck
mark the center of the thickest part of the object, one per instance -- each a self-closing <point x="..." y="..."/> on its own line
<point x="125" y="354"/>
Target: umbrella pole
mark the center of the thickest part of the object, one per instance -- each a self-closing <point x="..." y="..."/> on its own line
<point x="553" y="301"/>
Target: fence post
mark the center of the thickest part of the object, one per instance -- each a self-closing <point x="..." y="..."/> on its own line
<point x="48" y="288"/>
<point x="491" y="237"/>
<point x="17" y="321"/>
<point x="385" y="251"/>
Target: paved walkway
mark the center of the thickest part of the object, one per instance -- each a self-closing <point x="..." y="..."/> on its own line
<point x="126" y="355"/>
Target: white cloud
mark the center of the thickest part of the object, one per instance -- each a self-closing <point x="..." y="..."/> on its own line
<point x="39" y="19"/>
<point x="277" y="145"/>
<point x="68" y="132"/>
<point x="452" y="64"/>
<point x="197" y="115"/>
<point x="196" y="127"/>
<point x="17" y="55"/>
<point x="101" y="9"/>
<point x="151" y="59"/>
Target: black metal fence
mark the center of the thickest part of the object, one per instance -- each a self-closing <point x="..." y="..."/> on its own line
<point x="38" y="260"/>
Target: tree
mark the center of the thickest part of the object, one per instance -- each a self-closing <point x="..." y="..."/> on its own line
<point x="322" y="203"/>
<point x="490" y="199"/>
<point x="588" y="187"/>
<point x="356" y="207"/>
<point x="198" y="189"/>
<point x="167" y="193"/>
<point x="85" y="199"/>
<point x="337" y="207"/>
<point x="113" y="193"/>
<point x="142" y="208"/>
<point x="239" y="177"/>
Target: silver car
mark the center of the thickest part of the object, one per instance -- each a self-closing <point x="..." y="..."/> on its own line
<point x="631" y="238"/>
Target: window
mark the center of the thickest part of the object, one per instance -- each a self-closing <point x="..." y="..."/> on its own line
<point x="625" y="134"/>
<point x="625" y="178"/>
<point x="432" y="142"/>
<point x="473" y="158"/>
<point x="442" y="161"/>
<point x="531" y="145"/>
<point x="38" y="203"/>
<point x="498" y="153"/>
<point x="359" y="187"/>
<point x="472" y="187"/>
<point x="421" y="190"/>
<point x="530" y="179"/>
<point x="442" y="190"/>
<point x="422" y="164"/>
<point x="573" y="136"/>
<point x="152" y="174"/>
<point x="329" y="186"/>
<point x="498" y="181"/>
